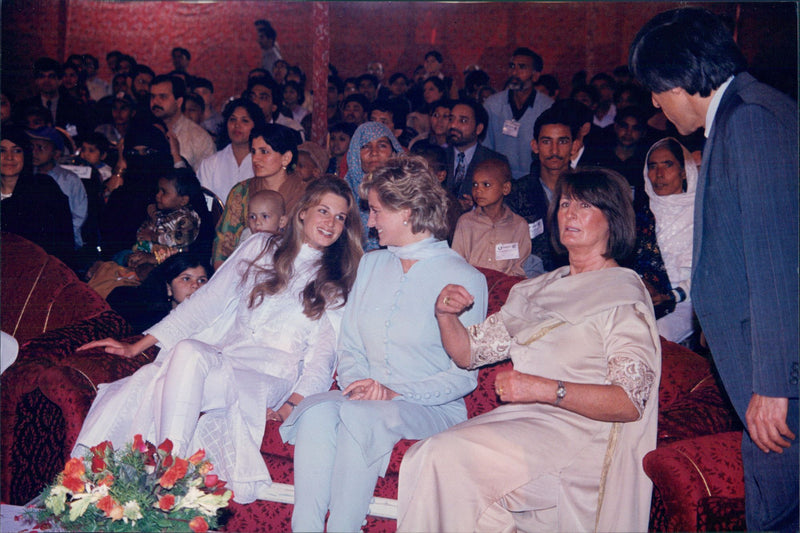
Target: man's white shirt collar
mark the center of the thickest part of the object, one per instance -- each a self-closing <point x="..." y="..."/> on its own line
<point x="714" y="105"/>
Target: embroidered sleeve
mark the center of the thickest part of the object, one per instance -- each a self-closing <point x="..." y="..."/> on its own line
<point x="489" y="342"/>
<point x="635" y="378"/>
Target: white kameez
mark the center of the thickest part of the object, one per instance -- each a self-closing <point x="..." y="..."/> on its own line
<point x="256" y="358"/>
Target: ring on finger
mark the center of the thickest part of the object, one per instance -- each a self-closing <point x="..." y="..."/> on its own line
<point x="446" y="300"/>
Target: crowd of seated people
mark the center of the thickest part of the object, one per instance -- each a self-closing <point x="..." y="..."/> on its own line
<point x="497" y="178"/>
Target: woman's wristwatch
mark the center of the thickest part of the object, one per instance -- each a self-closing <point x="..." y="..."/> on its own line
<point x="679" y="294"/>
<point x="561" y="391"/>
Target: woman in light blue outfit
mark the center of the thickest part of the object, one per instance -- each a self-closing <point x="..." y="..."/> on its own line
<point x="397" y="381"/>
<point x="372" y="145"/>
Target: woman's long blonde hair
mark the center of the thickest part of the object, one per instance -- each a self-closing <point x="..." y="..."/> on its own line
<point x="339" y="261"/>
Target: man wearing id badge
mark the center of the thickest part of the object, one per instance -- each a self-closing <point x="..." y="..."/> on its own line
<point x="554" y="135"/>
<point x="513" y="112"/>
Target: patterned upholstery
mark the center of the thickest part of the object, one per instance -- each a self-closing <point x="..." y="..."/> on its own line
<point x="40" y="293"/>
<point x="45" y="395"/>
<point x="700" y="482"/>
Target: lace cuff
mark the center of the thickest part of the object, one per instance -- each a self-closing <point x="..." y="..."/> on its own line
<point x="489" y="342"/>
<point x="635" y="378"/>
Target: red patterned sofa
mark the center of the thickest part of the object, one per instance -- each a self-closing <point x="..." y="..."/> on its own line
<point x="695" y="421"/>
<point x="46" y="394"/>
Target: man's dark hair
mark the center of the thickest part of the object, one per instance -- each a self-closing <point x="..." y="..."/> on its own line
<point x="475" y="80"/>
<point x="91" y="59"/>
<point x="130" y="59"/>
<point x="435" y="155"/>
<point x="370" y="78"/>
<point x="343" y="127"/>
<point x="538" y="63"/>
<point x="337" y="82"/>
<point x="177" y="84"/>
<point x="634" y="112"/>
<point x="481" y="116"/>
<point x="578" y="113"/>
<point x="196" y="98"/>
<point x="264" y="26"/>
<point x="142" y="69"/>
<point x="556" y="115"/>
<point x="397" y="75"/>
<point x="182" y="51"/>
<point x="441" y="102"/>
<point x="689" y="48"/>
<point x="436" y="55"/>
<point x="46" y="64"/>
<point x="638" y="95"/>
<point x="392" y="106"/>
<point x="198" y="82"/>
<point x="549" y="82"/>
<point x="604" y="77"/>
<point x="270" y="83"/>
<point x="360" y="99"/>
<point x="590" y="90"/>
<point x="113" y="53"/>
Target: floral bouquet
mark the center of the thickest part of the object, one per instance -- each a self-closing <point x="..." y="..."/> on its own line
<point x="140" y="488"/>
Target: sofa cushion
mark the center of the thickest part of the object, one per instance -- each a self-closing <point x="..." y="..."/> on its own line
<point x="688" y="471"/>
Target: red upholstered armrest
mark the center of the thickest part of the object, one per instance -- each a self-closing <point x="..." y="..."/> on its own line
<point x="689" y="471"/>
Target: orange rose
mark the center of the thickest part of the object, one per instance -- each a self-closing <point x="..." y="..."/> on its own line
<point x="166" y="502"/>
<point x="198" y="456"/>
<point x="176" y="472"/>
<point x="107" y="481"/>
<point x="205" y="468"/>
<point x="74" y="468"/>
<point x="198" y="524"/>
<point x="106" y="504"/>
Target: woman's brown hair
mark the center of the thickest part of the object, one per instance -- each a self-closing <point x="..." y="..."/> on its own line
<point x="339" y="262"/>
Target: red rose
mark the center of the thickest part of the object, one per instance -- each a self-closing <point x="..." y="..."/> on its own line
<point x="168" y="460"/>
<point x="138" y="444"/>
<point x="176" y="472"/>
<point x="166" y="446"/>
<point x="105" y="504"/>
<point x="166" y="502"/>
<point x="102" y="448"/>
<point x="98" y="463"/>
<point x="150" y="455"/>
<point x="211" y="480"/>
<point x="198" y="456"/>
<point x="198" y="525"/>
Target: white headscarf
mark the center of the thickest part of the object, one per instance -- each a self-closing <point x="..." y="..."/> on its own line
<point x="674" y="218"/>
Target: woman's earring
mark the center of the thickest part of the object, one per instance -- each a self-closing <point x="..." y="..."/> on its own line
<point x="684" y="185"/>
<point x="405" y="222"/>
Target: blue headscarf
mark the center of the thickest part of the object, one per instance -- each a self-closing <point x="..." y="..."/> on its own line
<point x="365" y="133"/>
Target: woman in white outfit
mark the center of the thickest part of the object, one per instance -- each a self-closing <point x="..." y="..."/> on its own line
<point x="248" y="345"/>
<point x="670" y="182"/>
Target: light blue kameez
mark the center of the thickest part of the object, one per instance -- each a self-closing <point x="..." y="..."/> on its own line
<point x="389" y="334"/>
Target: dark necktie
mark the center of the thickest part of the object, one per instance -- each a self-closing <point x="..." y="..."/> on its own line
<point x="461" y="168"/>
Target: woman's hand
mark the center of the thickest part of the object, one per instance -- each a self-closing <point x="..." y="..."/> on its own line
<point x="513" y="386"/>
<point x="113" y="346"/>
<point x="453" y="300"/>
<point x="368" y="389"/>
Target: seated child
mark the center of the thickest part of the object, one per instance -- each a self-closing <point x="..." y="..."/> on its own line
<point x="491" y="235"/>
<point x="94" y="151"/>
<point x="266" y="213"/>
<point x="339" y="136"/>
<point x="172" y="223"/>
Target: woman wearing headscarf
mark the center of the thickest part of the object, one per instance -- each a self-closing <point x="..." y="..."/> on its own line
<point x="670" y="183"/>
<point x="372" y="145"/>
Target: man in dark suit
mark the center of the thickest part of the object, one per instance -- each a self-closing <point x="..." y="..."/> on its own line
<point x="66" y="112"/>
<point x="744" y="279"/>
<point x="468" y="121"/>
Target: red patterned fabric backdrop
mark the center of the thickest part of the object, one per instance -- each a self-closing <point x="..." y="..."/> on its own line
<point x="570" y="36"/>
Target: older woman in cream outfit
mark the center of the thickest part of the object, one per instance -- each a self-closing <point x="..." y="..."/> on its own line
<point x="564" y="453"/>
